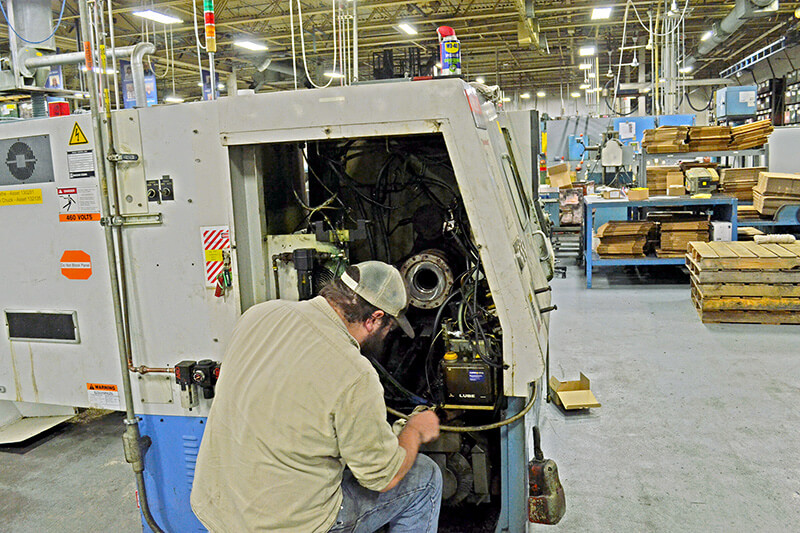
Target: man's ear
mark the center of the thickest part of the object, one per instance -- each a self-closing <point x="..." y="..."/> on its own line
<point x="373" y="323"/>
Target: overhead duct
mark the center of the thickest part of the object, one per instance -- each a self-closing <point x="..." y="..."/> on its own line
<point x="721" y="31"/>
<point x="32" y="20"/>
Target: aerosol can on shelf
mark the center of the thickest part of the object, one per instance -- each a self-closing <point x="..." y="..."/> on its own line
<point x="449" y="51"/>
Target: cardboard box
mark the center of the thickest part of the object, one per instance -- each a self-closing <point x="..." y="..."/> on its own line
<point x="639" y="193"/>
<point x="613" y="194"/>
<point x="676" y="190"/>
<point x="721" y="231"/>
<point x="675" y="179"/>
<point x="571" y="395"/>
<point x="775" y="184"/>
<point x="560" y="175"/>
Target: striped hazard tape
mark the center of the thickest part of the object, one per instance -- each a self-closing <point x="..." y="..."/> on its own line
<point x="216" y="239"/>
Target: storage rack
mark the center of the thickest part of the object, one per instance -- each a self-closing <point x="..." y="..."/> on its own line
<point x="770" y="101"/>
<point x="791" y="113"/>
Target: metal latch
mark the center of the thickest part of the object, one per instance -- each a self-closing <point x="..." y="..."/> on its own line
<point x="118" y="158"/>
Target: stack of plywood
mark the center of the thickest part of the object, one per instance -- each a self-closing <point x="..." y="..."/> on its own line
<point x="666" y="139"/>
<point x="623" y="239"/>
<point x="774" y="190"/>
<point x="747" y="212"/>
<point x="745" y="282"/>
<point x="750" y="135"/>
<point x="657" y="178"/>
<point x="708" y="138"/>
<point x="676" y="236"/>
<point x="739" y="182"/>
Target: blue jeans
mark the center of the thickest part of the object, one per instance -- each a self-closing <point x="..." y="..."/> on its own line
<point x="410" y="507"/>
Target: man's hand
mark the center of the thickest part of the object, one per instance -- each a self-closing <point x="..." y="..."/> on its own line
<point x="420" y="428"/>
<point x="426" y="424"/>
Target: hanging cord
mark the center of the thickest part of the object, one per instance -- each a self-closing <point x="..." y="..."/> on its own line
<point x="21" y="38"/>
<point x="200" y="46"/>
<point x="621" y="47"/>
<point x="294" y="52"/>
<point x="648" y="30"/>
<point x="170" y="52"/>
<point x="303" y="42"/>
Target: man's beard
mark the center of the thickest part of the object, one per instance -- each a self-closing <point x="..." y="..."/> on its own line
<point x="374" y="344"/>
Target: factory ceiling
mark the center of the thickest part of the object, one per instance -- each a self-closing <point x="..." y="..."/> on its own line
<point x="498" y="37"/>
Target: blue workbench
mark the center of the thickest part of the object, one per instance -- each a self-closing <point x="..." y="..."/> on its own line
<point x="724" y="209"/>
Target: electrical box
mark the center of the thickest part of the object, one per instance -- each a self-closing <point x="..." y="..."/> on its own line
<point x="736" y="102"/>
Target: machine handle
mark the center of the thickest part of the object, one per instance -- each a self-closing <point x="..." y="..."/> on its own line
<point x="549" y="245"/>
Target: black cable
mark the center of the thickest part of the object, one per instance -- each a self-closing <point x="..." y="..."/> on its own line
<point x="706" y="108"/>
<point x="391" y="379"/>
<point x="605" y="99"/>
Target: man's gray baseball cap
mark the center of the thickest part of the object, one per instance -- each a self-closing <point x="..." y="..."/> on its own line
<point x="382" y="286"/>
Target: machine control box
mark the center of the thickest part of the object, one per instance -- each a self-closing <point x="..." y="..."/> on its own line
<point x="468" y="382"/>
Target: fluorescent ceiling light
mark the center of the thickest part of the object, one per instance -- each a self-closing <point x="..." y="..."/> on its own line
<point x="250" y="45"/>
<point x="505" y="99"/>
<point x="645" y="90"/>
<point x="685" y="70"/>
<point x="173" y="99"/>
<point x="591" y="75"/>
<point x="585" y="66"/>
<point x="584" y="86"/>
<point x="585" y="51"/>
<point x="601" y="13"/>
<point x="220" y="86"/>
<point x="157" y="17"/>
<point x="707" y="35"/>
<point x="439" y="66"/>
<point x="525" y="95"/>
<point x="199" y="83"/>
<point x="334" y="74"/>
<point x="408" y="28"/>
<point x="575" y="94"/>
<point x="97" y="69"/>
<point x="540" y="94"/>
<point x="480" y="80"/>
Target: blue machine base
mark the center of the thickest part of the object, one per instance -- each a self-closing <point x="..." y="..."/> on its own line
<point x="169" y="470"/>
<point x="170" y="464"/>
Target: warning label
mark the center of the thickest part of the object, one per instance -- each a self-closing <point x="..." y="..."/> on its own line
<point x="20" y="197"/>
<point x="216" y="240"/>
<point x="77" y="136"/>
<point x="78" y="204"/>
<point x="103" y="396"/>
<point x="80" y="164"/>
<point x="76" y="264"/>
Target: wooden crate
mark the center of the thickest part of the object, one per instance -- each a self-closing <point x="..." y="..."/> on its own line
<point x="744" y="282"/>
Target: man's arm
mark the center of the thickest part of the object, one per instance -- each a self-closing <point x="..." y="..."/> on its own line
<point x="420" y="428"/>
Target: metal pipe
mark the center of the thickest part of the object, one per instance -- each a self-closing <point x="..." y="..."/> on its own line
<point x="113" y="54"/>
<point x="73" y="58"/>
<point x="137" y="69"/>
<point x="355" y="41"/>
<point x="131" y="438"/>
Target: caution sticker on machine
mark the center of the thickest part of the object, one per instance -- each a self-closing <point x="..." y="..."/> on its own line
<point x="80" y="164"/>
<point x="103" y="396"/>
<point x="216" y="240"/>
<point x="78" y="204"/>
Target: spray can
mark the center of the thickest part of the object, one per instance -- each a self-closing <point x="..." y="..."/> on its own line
<point x="449" y="51"/>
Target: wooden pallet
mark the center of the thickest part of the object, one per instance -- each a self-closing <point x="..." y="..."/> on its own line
<point x="745" y="290"/>
<point x="748" y="317"/>
<point x="741" y="276"/>
<point x="739" y="303"/>
<point x="744" y="256"/>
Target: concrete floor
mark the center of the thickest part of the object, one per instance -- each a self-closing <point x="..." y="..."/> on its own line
<point x="699" y="429"/>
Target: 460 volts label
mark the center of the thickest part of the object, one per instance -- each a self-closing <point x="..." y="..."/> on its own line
<point x="78" y="204"/>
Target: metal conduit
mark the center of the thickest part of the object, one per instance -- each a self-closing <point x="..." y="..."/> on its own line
<point x="132" y="441"/>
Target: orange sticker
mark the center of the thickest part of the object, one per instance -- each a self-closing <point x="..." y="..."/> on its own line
<point x="76" y="264"/>
<point x="102" y="386"/>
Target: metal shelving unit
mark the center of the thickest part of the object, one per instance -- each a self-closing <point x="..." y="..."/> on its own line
<point x="674" y="157"/>
<point x="723" y="206"/>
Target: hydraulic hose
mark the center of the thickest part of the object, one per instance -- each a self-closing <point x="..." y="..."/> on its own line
<point x="471" y="429"/>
